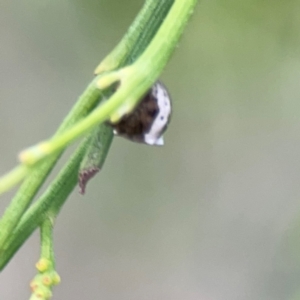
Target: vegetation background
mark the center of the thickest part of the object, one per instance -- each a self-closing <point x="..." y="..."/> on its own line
<point x="212" y="215"/>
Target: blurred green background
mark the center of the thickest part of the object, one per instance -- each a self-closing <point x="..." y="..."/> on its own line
<point x="212" y="215"/>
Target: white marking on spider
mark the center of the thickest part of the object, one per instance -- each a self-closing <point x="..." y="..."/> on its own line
<point x="154" y="136"/>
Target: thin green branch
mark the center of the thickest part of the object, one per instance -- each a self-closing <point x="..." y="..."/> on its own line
<point x="85" y="104"/>
<point x="47" y="239"/>
<point x="47" y="277"/>
<point x="135" y="41"/>
<point x="134" y="81"/>
<point x="37" y="176"/>
<point x="137" y="37"/>
<point x="53" y="199"/>
<point x="13" y="178"/>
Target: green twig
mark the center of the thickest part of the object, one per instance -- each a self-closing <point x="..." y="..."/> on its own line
<point x="47" y="251"/>
<point x="53" y="199"/>
<point x="47" y="277"/>
<point x="137" y="37"/>
<point x="13" y="177"/>
<point x="135" y="41"/>
<point x="134" y="80"/>
<point x="31" y="185"/>
<point x="37" y="176"/>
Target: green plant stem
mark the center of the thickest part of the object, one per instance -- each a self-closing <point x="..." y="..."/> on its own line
<point x="42" y="284"/>
<point x="47" y="251"/>
<point x="134" y="81"/>
<point x="52" y="200"/>
<point x="156" y="18"/>
<point x="137" y="37"/>
<point x="135" y="41"/>
<point x="85" y="104"/>
<point x="13" y="178"/>
<point x="33" y="182"/>
<point x="131" y="46"/>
